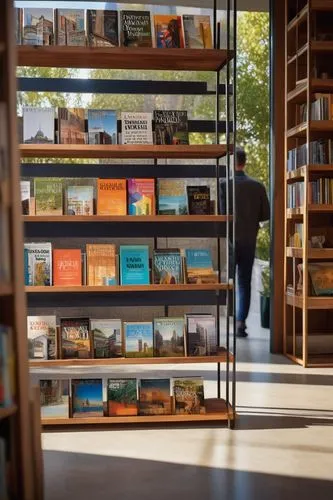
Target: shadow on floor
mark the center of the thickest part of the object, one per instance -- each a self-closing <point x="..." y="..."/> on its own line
<point x="279" y="421"/>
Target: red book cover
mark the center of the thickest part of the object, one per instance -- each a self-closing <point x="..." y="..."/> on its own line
<point x="67" y="267"/>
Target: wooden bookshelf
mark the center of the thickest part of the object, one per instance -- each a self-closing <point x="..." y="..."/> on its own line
<point x="313" y="253"/>
<point x="128" y="288"/>
<point x="74" y="219"/>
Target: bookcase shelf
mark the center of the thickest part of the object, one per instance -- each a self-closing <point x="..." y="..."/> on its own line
<point x="313" y="253"/>
<point x="128" y="288"/>
<point x="300" y="172"/>
<point x="319" y="303"/>
<point x="132" y="219"/>
<point x="300" y="18"/>
<point x="299" y="94"/>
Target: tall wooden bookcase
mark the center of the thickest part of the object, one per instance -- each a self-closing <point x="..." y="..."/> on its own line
<point x="308" y="325"/>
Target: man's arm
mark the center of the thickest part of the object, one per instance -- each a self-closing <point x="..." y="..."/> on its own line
<point x="264" y="208"/>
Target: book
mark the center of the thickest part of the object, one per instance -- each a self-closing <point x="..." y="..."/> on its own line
<point x="48" y="196"/>
<point x="321" y="275"/>
<point x="75" y="338"/>
<point x="38" y="26"/>
<point x="136" y="128"/>
<point x="167" y="266"/>
<point x="111" y="197"/>
<point x="80" y="200"/>
<point x="70" y="27"/>
<point x="42" y="337"/>
<point x="197" y="32"/>
<point x="168" y="32"/>
<point x="67" y="267"/>
<point x="87" y="398"/>
<point x="199" y="202"/>
<point x="171" y="197"/>
<point x="101" y="264"/>
<point x="171" y="127"/>
<point x="169" y="337"/>
<point x="189" y="396"/>
<point x="102" y="126"/>
<point x="71" y="126"/>
<point x="135" y="28"/>
<point x="39" y="264"/>
<point x="38" y="125"/>
<point x="107" y="338"/>
<point x="141" y="196"/>
<point x="102" y="28"/>
<point x="122" y="397"/>
<point x="201" y="335"/>
<point x="25" y="196"/>
<point x="18" y="13"/>
<point x="138" y="340"/>
<point x="154" y="397"/>
<point x="54" y="398"/>
<point x="199" y="266"/>
<point x="134" y="265"/>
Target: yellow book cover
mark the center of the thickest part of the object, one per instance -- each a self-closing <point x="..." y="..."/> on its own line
<point x="111" y="197"/>
<point x="101" y="265"/>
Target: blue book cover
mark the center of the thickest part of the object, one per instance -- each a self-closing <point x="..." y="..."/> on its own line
<point x="27" y="275"/>
<point x="134" y="265"/>
<point x="199" y="258"/>
<point x="139" y="340"/>
<point x="102" y="126"/>
<point x="87" y="398"/>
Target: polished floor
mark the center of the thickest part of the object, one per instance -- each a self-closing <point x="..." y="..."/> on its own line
<point x="282" y="447"/>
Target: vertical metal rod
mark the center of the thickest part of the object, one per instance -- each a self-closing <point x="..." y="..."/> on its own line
<point x="215" y="23"/>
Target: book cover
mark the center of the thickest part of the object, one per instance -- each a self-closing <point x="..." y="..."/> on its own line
<point x="199" y="266"/>
<point x="141" y="196"/>
<point x="39" y="264"/>
<point x="171" y="127"/>
<point x="80" y="200"/>
<point x="75" y="338"/>
<point x="38" y="125"/>
<point x="71" y="126"/>
<point x="198" y="200"/>
<point x="102" y="28"/>
<point x="122" y="397"/>
<point x="54" y="398"/>
<point x="168" y="32"/>
<point x="42" y="337"/>
<point x="18" y="12"/>
<point x="101" y="265"/>
<point x="168" y="337"/>
<point x="87" y="398"/>
<point x="102" y="126"/>
<point x="189" y="398"/>
<point x="167" y="266"/>
<point x="107" y="338"/>
<point x="38" y="26"/>
<point x="197" y="32"/>
<point x="154" y="397"/>
<point x="201" y="335"/>
<point x="135" y="28"/>
<point x="111" y="197"/>
<point x="139" y="340"/>
<point x="67" y="267"/>
<point x="137" y="128"/>
<point x="321" y="275"/>
<point x="172" y="198"/>
<point x="25" y="196"/>
<point x="70" y="27"/>
<point x="48" y="196"/>
<point x="134" y="265"/>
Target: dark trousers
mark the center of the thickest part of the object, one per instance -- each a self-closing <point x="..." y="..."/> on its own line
<point x="244" y="258"/>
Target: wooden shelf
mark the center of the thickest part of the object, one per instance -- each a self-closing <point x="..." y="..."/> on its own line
<point x="322" y="46"/>
<point x="320" y="361"/>
<point x="129" y="288"/>
<point x="7" y="411"/>
<point x="298" y="173"/>
<point x="313" y="253"/>
<point x="320" y="208"/>
<point x="298" y="131"/>
<point x="296" y="253"/>
<point x="5" y="289"/>
<point x="313" y="302"/>
<point x="322" y="5"/>
<point x="298" y="54"/>
<point x="126" y="218"/>
<point x="317" y="85"/>
<point x="299" y="18"/>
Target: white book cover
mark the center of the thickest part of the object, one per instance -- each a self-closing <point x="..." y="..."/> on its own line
<point x="38" y="125"/>
<point x="136" y="128"/>
<point x="80" y="200"/>
<point x="25" y="196"/>
<point x="39" y="263"/>
<point x="42" y="337"/>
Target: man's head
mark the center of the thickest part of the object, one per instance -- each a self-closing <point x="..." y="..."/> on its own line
<point x="240" y="159"/>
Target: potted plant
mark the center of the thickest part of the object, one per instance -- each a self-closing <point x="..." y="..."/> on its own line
<point x="265" y="296"/>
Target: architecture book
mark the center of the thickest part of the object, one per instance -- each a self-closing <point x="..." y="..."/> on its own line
<point x="87" y="398"/>
<point x="67" y="267"/>
<point x="167" y="266"/>
<point x="102" y="28"/>
<point x="70" y="27"/>
<point x="71" y="126"/>
<point x="199" y="202"/>
<point x="80" y="200"/>
<point x="141" y="196"/>
<point x="54" y="398"/>
<point x="75" y="338"/>
<point x="189" y="396"/>
<point x="122" y="397"/>
<point x="107" y="338"/>
<point x="136" y="128"/>
<point x="154" y="397"/>
<point x="138" y="340"/>
<point x="38" y="264"/>
<point x="172" y="198"/>
<point x="321" y="276"/>
<point x="25" y="197"/>
<point x="201" y="335"/>
<point x="38" y="125"/>
<point x="168" y="32"/>
<point x="171" y="127"/>
<point x="169" y="337"/>
<point x="111" y="197"/>
<point x="48" y="196"/>
<point x="42" y="337"/>
<point x="101" y="264"/>
<point x="134" y="265"/>
<point x="135" y="28"/>
<point x="199" y="266"/>
<point x="197" y="32"/>
<point x="102" y="126"/>
<point x="38" y="26"/>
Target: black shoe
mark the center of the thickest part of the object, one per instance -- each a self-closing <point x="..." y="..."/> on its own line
<point x="241" y="333"/>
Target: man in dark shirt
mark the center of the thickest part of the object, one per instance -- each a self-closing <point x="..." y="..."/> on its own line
<point x="252" y="207"/>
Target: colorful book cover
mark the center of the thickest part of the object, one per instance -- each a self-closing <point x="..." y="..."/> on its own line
<point x="172" y="197"/>
<point x="139" y="340"/>
<point x="201" y="335"/>
<point x="18" y="25"/>
<point x="168" y="337"/>
<point x="102" y="126"/>
<point x="42" y="337"/>
<point x="67" y="267"/>
<point x="48" y="196"/>
<point x="167" y="266"/>
<point x="38" y="125"/>
<point x="198" y="200"/>
<point x="197" y="32"/>
<point x="189" y="396"/>
<point x="71" y="126"/>
<point x="87" y="398"/>
<point x="39" y="264"/>
<point x="199" y="266"/>
<point x="154" y="397"/>
<point x="54" y="398"/>
<point x="107" y="338"/>
<point x="80" y="200"/>
<point x="25" y="196"/>
<point x="137" y="128"/>
<point x="141" y="196"/>
<point x="102" y="28"/>
<point x="134" y="265"/>
<point x="168" y="32"/>
<point x="38" y="26"/>
<point x="75" y="338"/>
<point x="111" y="197"/>
<point x="321" y="275"/>
<point x="70" y="27"/>
<point x="101" y="265"/>
<point x="171" y="127"/>
<point x="135" y="28"/>
<point x="122" y="397"/>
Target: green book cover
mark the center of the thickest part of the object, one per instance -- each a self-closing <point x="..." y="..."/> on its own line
<point x="48" y="195"/>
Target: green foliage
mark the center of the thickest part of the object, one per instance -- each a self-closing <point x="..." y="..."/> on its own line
<point x="266" y="283"/>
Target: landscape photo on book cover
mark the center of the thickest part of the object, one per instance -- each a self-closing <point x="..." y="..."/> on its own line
<point x="172" y="198"/>
<point x="139" y="340"/>
<point x="168" y="32"/>
<point x="107" y="338"/>
<point x="54" y="398"/>
<point x="167" y="266"/>
<point x="171" y="127"/>
<point x="75" y="338"/>
<point x="87" y="398"/>
<point x="136" y="28"/>
<point x="154" y="397"/>
<point x="38" y="26"/>
<point x="38" y="125"/>
<point x="102" y="126"/>
<point x="189" y="396"/>
<point x="70" y="27"/>
<point x="122" y="397"/>
<point x="71" y="124"/>
<point x="169" y="337"/>
<point x="102" y="27"/>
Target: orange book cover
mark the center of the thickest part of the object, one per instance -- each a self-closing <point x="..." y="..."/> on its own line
<point x="111" y="197"/>
<point x="101" y="265"/>
<point x="67" y="267"/>
<point x="168" y="32"/>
